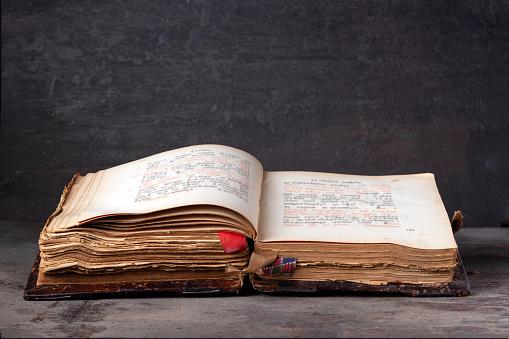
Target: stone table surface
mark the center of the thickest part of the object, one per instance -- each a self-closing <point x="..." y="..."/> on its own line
<point x="485" y="313"/>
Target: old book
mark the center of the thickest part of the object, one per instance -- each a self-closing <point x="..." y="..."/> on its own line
<point x="188" y="216"/>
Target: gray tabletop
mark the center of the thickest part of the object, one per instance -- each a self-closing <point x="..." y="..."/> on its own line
<point x="485" y="313"/>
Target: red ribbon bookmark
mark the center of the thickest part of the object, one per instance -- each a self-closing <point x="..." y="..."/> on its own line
<point x="232" y="242"/>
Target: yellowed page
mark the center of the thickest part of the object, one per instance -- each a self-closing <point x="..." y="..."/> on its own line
<point x="80" y="201"/>
<point x="400" y="209"/>
<point x="203" y="174"/>
<point x="74" y="199"/>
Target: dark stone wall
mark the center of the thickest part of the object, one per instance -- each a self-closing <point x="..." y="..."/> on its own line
<point x="357" y="87"/>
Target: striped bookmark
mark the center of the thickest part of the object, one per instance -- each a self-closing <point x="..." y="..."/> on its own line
<point x="280" y="266"/>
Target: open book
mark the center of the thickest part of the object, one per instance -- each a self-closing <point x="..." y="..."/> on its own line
<point x="210" y="212"/>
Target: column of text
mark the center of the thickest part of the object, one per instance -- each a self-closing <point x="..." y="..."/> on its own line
<point x="338" y="203"/>
<point x="200" y="169"/>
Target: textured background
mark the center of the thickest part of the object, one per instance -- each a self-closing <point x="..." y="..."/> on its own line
<point x="357" y="87"/>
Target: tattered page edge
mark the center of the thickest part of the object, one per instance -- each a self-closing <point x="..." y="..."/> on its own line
<point x="256" y="263"/>
<point x="457" y="221"/>
<point x="63" y="197"/>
